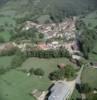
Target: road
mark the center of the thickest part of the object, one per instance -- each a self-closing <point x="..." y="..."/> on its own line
<point x="78" y="78"/>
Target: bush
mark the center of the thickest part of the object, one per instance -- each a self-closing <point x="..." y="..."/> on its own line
<point x="67" y="72"/>
<point x="31" y="71"/>
<point x="85" y="88"/>
<point x="39" y="72"/>
<point x="57" y="75"/>
<point x="18" y="59"/>
<point x="41" y="36"/>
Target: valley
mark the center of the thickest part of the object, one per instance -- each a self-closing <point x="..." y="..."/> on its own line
<point x="48" y="49"/>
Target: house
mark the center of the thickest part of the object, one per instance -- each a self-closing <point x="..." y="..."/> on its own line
<point x="76" y="57"/>
<point x="62" y="90"/>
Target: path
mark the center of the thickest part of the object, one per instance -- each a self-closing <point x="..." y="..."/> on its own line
<point x="78" y="79"/>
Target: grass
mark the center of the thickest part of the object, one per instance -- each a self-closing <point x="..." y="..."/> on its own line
<point x="16" y="85"/>
<point x="5" y="61"/>
<point x="75" y="95"/>
<point x="5" y="35"/>
<point x="92" y="57"/>
<point x="89" y="76"/>
<point x="48" y="65"/>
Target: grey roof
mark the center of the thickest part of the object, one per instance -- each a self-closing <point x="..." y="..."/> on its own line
<point x="59" y="91"/>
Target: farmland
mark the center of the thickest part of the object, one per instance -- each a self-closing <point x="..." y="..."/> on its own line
<point x="89" y="76"/>
<point x="5" y="35"/>
<point x="20" y="85"/>
<point x="5" y="61"/>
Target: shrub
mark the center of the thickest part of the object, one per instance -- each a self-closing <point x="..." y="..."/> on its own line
<point x="67" y="72"/>
<point x="31" y="71"/>
<point x="57" y="75"/>
<point x="39" y="72"/>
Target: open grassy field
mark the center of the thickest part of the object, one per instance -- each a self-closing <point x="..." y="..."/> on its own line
<point x="5" y="35"/>
<point x="89" y="76"/>
<point x="47" y="65"/>
<point x="16" y="85"/>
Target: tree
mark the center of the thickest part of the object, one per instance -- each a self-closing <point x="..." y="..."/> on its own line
<point x="39" y="72"/>
<point x="57" y="75"/>
<point x="87" y="41"/>
<point x="31" y="71"/>
<point x="85" y="88"/>
<point x="69" y="71"/>
<point x="41" y="36"/>
<point x="18" y="59"/>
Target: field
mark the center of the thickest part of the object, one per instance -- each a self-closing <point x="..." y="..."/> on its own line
<point x="47" y="65"/>
<point x="91" y="20"/>
<point x="89" y="76"/>
<point x="16" y="85"/>
<point x="5" y="61"/>
<point x="5" y="35"/>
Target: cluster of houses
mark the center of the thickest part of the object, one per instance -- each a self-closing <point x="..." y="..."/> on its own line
<point x="65" y="29"/>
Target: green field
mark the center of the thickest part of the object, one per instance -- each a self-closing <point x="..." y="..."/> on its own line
<point x="16" y="85"/>
<point x="46" y="64"/>
<point x="5" y="35"/>
<point x="89" y="76"/>
<point x="5" y="61"/>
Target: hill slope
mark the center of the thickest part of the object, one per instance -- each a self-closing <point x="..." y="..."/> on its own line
<point x="56" y="10"/>
<point x="55" y="7"/>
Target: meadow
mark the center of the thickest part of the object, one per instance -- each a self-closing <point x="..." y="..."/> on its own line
<point x="89" y="76"/>
<point x="16" y="85"/>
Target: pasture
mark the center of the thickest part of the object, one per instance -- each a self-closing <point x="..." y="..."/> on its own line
<point x="89" y="76"/>
<point x="16" y="85"/>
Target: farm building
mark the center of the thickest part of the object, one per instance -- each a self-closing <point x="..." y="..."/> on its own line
<point x="62" y="90"/>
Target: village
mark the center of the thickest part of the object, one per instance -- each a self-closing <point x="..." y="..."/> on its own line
<point x="66" y="32"/>
<point x="56" y="35"/>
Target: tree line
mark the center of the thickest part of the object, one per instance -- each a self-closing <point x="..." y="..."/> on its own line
<point x="48" y="53"/>
<point x="86" y="39"/>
